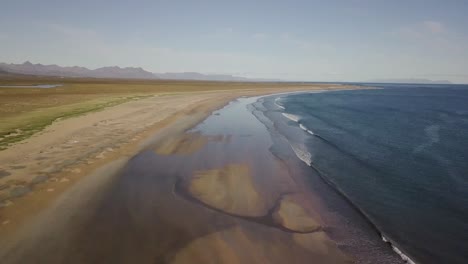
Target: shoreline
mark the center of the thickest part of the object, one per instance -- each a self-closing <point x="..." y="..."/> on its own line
<point x="64" y="134"/>
<point x="297" y="120"/>
<point x="176" y="123"/>
<point x="302" y="155"/>
<point x="235" y="198"/>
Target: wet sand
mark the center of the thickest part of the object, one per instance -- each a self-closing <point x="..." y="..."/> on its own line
<point x="214" y="194"/>
<point x="36" y="171"/>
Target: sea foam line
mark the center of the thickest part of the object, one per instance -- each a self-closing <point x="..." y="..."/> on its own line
<point x="292" y="117"/>
<point x="302" y="153"/>
<point x="306" y="129"/>
<point x="277" y="104"/>
<point x="296" y="119"/>
<point x="305" y="156"/>
<point x="398" y="251"/>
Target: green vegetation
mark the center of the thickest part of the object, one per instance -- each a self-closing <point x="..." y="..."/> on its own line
<point x="26" y="111"/>
<point x="18" y="127"/>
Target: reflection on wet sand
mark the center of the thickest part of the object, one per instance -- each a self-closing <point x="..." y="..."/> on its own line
<point x="241" y="182"/>
<point x="187" y="143"/>
<point x="240" y="245"/>
<point x="231" y="190"/>
<point x="182" y="144"/>
<point x="211" y="195"/>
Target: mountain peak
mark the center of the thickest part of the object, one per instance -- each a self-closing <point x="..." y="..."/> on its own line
<point x="115" y="72"/>
<point x="75" y="71"/>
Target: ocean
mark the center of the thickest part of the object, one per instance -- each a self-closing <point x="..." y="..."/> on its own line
<point x="398" y="154"/>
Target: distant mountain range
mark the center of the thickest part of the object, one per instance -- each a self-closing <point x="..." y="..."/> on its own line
<point x="209" y="77"/>
<point x="197" y="76"/>
<point x="410" y="81"/>
<point x="29" y="68"/>
<point x="75" y="71"/>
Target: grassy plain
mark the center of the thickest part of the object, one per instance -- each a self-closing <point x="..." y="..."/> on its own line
<point x="26" y="111"/>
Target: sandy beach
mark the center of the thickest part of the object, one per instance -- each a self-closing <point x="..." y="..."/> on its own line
<point x="56" y="183"/>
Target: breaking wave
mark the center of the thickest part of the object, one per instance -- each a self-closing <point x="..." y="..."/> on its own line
<point x="292" y="117"/>
<point x="398" y="251"/>
<point x="306" y="129"/>
<point x="277" y="104"/>
<point x="297" y="119"/>
<point x="302" y="153"/>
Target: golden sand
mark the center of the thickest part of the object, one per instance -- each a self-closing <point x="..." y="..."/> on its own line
<point x="229" y="189"/>
<point x="293" y="216"/>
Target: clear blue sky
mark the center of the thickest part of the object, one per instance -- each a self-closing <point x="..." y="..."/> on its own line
<point x="348" y="40"/>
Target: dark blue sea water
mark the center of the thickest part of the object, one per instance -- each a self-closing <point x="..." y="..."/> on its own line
<point x="399" y="154"/>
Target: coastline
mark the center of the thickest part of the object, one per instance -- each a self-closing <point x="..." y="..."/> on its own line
<point x="302" y="154"/>
<point x="174" y="123"/>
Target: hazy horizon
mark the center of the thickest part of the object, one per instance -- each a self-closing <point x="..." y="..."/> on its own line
<point x="357" y="40"/>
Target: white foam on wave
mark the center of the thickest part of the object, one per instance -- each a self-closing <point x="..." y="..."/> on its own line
<point x="398" y="251"/>
<point x="306" y="129"/>
<point x="302" y="153"/>
<point x="292" y="117"/>
<point x="277" y="104"/>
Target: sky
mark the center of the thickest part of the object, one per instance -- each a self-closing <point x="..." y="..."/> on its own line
<point x="303" y="40"/>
